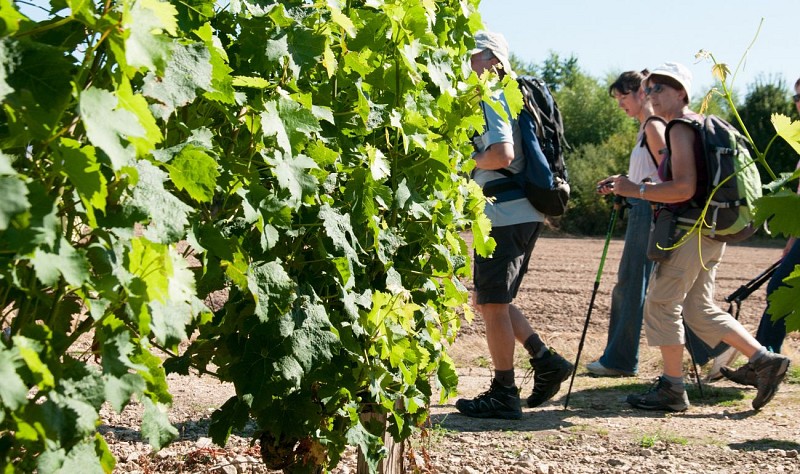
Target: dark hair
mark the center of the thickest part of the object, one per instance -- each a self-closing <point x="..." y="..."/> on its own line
<point x="797" y="83"/>
<point x="670" y="82"/>
<point x="627" y="82"/>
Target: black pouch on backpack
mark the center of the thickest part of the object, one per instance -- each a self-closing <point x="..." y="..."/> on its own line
<point x="663" y="235"/>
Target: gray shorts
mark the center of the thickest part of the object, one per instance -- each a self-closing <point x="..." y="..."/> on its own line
<point x="498" y="278"/>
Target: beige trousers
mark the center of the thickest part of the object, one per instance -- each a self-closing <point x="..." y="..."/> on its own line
<point x="682" y="288"/>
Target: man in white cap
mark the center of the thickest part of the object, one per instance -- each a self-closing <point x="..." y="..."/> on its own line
<point x="515" y="227"/>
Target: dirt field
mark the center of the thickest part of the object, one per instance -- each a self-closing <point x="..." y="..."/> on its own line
<point x="598" y="433"/>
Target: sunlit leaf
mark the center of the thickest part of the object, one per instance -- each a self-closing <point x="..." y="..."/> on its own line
<point x="156" y="428"/>
<point x="195" y="171"/>
<point x="108" y="125"/>
<point x="788" y="129"/>
<point x="146" y="45"/>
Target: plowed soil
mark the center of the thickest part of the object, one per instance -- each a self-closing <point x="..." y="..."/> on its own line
<point x="598" y="433"/>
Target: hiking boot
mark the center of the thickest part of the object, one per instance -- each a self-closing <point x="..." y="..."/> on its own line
<point x="600" y="370"/>
<point x="548" y="372"/>
<point x="497" y="402"/>
<point x="661" y="396"/>
<point x="744" y="375"/>
<point x="770" y="370"/>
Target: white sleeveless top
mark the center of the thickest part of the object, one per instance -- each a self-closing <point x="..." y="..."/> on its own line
<point x="641" y="165"/>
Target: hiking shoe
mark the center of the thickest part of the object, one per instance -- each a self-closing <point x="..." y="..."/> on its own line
<point x="661" y="396"/>
<point x="770" y="370"/>
<point x="548" y="372"/>
<point x="744" y="375"/>
<point x="497" y="402"/>
<point x="600" y="370"/>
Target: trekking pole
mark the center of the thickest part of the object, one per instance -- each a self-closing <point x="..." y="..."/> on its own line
<point x="748" y="288"/>
<point x="617" y="206"/>
<point x="691" y="356"/>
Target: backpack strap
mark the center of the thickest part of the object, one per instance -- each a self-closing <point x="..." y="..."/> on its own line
<point x="697" y="125"/>
<point x="644" y="136"/>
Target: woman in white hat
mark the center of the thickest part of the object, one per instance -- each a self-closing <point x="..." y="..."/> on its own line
<point x="682" y="287"/>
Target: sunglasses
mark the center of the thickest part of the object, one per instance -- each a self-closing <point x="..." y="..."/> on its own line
<point x="796" y="98"/>
<point x="655" y="89"/>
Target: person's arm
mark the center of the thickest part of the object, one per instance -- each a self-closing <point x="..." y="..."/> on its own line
<point x="497" y="156"/>
<point x="654" y="132"/>
<point x="684" y="174"/>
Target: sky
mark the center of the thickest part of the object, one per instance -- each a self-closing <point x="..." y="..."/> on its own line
<point x="609" y="37"/>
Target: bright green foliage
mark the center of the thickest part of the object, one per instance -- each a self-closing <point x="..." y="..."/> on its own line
<point x="310" y="157"/>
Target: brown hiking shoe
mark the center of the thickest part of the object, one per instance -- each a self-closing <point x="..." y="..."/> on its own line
<point x="770" y="370"/>
<point x="744" y="375"/>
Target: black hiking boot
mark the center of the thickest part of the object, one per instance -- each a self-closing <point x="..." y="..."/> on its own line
<point x="744" y="375"/>
<point x="548" y="372"/>
<point x="497" y="402"/>
<point x="770" y="370"/>
<point x="661" y="396"/>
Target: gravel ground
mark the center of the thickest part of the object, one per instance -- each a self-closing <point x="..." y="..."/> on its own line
<point x="599" y="433"/>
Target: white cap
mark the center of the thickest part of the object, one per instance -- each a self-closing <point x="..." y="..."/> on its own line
<point x="497" y="44"/>
<point x="676" y="71"/>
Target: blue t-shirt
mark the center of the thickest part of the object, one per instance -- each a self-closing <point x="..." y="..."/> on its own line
<point x="497" y="130"/>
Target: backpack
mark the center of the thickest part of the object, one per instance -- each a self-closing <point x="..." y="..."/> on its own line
<point x="544" y="179"/>
<point x="727" y="156"/>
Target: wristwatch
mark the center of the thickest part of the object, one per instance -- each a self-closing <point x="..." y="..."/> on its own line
<point x="641" y="190"/>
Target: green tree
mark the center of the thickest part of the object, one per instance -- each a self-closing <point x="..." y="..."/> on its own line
<point x="765" y="97"/>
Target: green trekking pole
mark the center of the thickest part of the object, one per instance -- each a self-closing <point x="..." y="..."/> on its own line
<point x="617" y="206"/>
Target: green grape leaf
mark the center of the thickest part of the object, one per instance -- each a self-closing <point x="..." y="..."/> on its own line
<point x="146" y="45"/>
<point x="293" y="174"/>
<point x="41" y="78"/>
<point x="137" y="104"/>
<point x="118" y="390"/>
<point x="340" y="231"/>
<point x="15" y="199"/>
<point x="784" y="302"/>
<point x="156" y="428"/>
<point x="251" y="82"/>
<point x="189" y="69"/>
<point x="83" y="458"/>
<point x="447" y="377"/>
<point x="272" y="289"/>
<point x="289" y="370"/>
<point x="483" y="243"/>
<point x="13" y="391"/>
<point x="232" y="414"/>
<point x="194" y="171"/>
<point x="221" y="79"/>
<point x="30" y="351"/>
<point x="788" y="129"/>
<point x="343" y="21"/>
<point x="6" y="169"/>
<point x="169" y="217"/>
<point x="107" y="123"/>
<point x="66" y="262"/>
<point x="150" y="263"/>
<point x="9" y="19"/>
<point x="80" y="165"/>
<point x="368" y="443"/>
<point x="779" y="209"/>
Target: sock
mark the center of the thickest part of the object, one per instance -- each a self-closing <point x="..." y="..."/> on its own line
<point x="676" y="382"/>
<point x="505" y="377"/>
<point x="535" y="346"/>
<point x="758" y="354"/>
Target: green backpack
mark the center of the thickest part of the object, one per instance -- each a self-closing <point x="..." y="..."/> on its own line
<point x="731" y="208"/>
